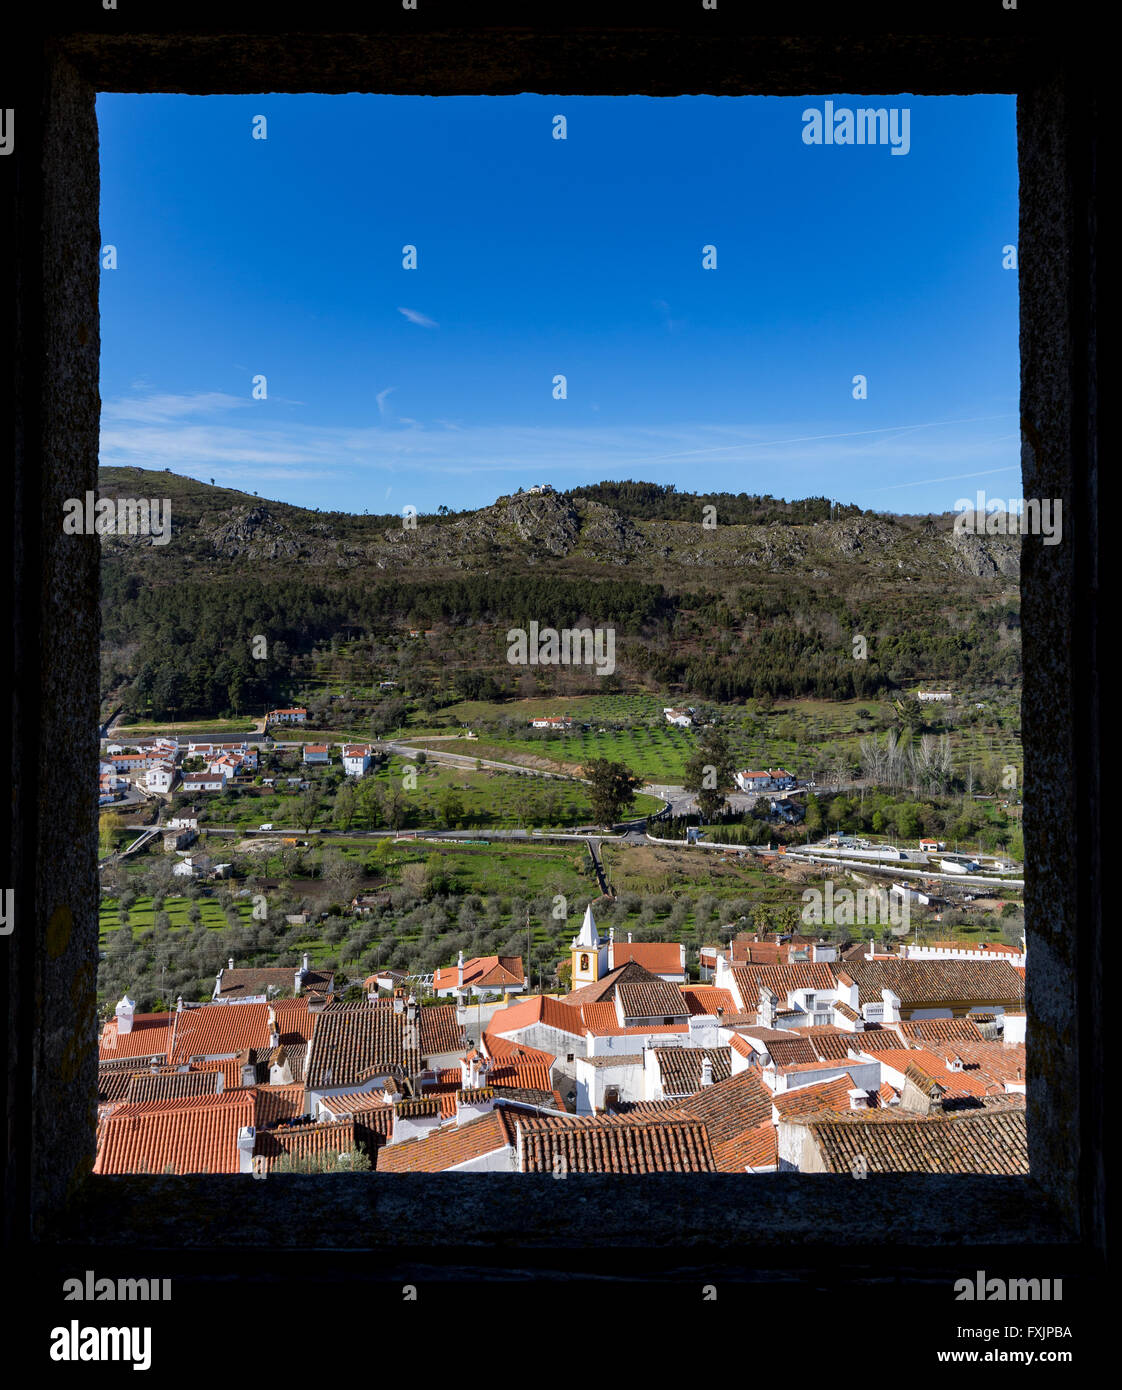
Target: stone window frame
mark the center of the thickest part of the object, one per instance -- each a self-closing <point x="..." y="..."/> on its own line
<point x="49" y="409"/>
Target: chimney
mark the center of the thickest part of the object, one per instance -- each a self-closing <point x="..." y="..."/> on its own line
<point x="466" y="1080"/>
<point x="274" y="1030"/>
<point x="230" y="963"/>
<point x="248" y="1068"/>
<point x="706" y="1072"/>
<point x="247" y="1137"/>
<point x="473" y="1102"/>
<point x="460" y="970"/>
<point x="179" y="1005"/>
<point x="399" y="1000"/>
<point x="124" y="1012"/>
<point x="629" y="938"/>
<point x="411" y="1009"/>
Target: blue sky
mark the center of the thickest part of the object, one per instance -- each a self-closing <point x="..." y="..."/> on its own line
<point x="539" y="257"/>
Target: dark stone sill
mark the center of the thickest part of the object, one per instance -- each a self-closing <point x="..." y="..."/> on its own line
<point x="443" y="1211"/>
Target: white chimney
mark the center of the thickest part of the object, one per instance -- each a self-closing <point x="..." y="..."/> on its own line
<point x="629" y="938"/>
<point x="398" y="1001"/>
<point x="247" y="1137"/>
<point x="706" y="1072"/>
<point x="274" y="1030"/>
<point x="465" y="1073"/>
<point x="411" y="1008"/>
<point x="179" y="1005"/>
<point x="460" y="970"/>
<point x="124" y="1011"/>
<point x="230" y="963"/>
<point x="473" y="1103"/>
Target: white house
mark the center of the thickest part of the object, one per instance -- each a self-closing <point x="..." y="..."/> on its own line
<point x="203" y="782"/>
<point x="193" y="866"/>
<point x="552" y="721"/>
<point x="682" y="717"/>
<point x="160" y="778"/>
<point x="296" y="715"/>
<point x="356" y="759"/>
<point x="941" y="695"/>
<point x="774" y="779"/>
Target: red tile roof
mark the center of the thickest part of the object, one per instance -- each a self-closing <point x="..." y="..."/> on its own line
<point x="659" y="957"/>
<point x="614" y="1144"/>
<point x="484" y="972"/>
<point x="991" y="1141"/>
<point x="655" y="1000"/>
<point x="503" y="1049"/>
<point x="220" y="1030"/>
<point x="538" y="1008"/>
<point x="150" y="1037"/>
<point x="195" y="1135"/>
<point x="448" y="1146"/>
<point x="813" y="1100"/>
<point x="707" y="999"/>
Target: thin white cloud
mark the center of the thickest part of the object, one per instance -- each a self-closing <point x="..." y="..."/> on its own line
<point x="414" y="317"/>
<point x="214" y="435"/>
<point x="381" y="399"/>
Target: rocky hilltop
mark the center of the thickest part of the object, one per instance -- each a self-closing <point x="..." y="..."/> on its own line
<point x="531" y="531"/>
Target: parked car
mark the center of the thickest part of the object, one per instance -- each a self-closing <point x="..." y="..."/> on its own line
<point x="267" y="826"/>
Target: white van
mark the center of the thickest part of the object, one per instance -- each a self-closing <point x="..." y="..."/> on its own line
<point x="267" y="826"/>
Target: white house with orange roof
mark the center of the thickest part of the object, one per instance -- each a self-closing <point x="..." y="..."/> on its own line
<point x="356" y="759"/>
<point x="296" y="715"/>
<point x="480" y="975"/>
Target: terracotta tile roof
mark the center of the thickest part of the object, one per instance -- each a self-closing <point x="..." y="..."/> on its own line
<point x="220" y="1030"/>
<point x="278" y="1103"/>
<point x="680" y="1067"/>
<point x="925" y="982"/>
<point x="501" y="1049"/>
<point x="322" y="1143"/>
<point x="354" y="1101"/>
<point x="195" y="1135"/>
<point x="615" y="1144"/>
<point x="249" y="980"/>
<point x="439" y="1030"/>
<point x="707" y="999"/>
<point x="485" y="972"/>
<point x="742" y="1046"/>
<point x="831" y="1046"/>
<point x="993" y="1062"/>
<point x="813" y="1100"/>
<point x="918" y="1059"/>
<point x="353" y="1043"/>
<point x="172" y="1085"/>
<point x="150" y="1037"/>
<point x="759" y="1148"/>
<point x="736" y="1114"/>
<point x="631" y="972"/>
<point x="448" y="1146"/>
<point x="600" y="1018"/>
<point x="980" y="1141"/>
<point x="659" y="957"/>
<point x="781" y="979"/>
<point x="655" y="1000"/>
<point x="113" y="1078"/>
<point x="789" y="1052"/>
<point x="295" y="1021"/>
<point x="538" y="1008"/>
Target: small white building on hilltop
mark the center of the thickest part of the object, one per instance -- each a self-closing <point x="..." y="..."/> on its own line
<point x="683" y="718"/>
